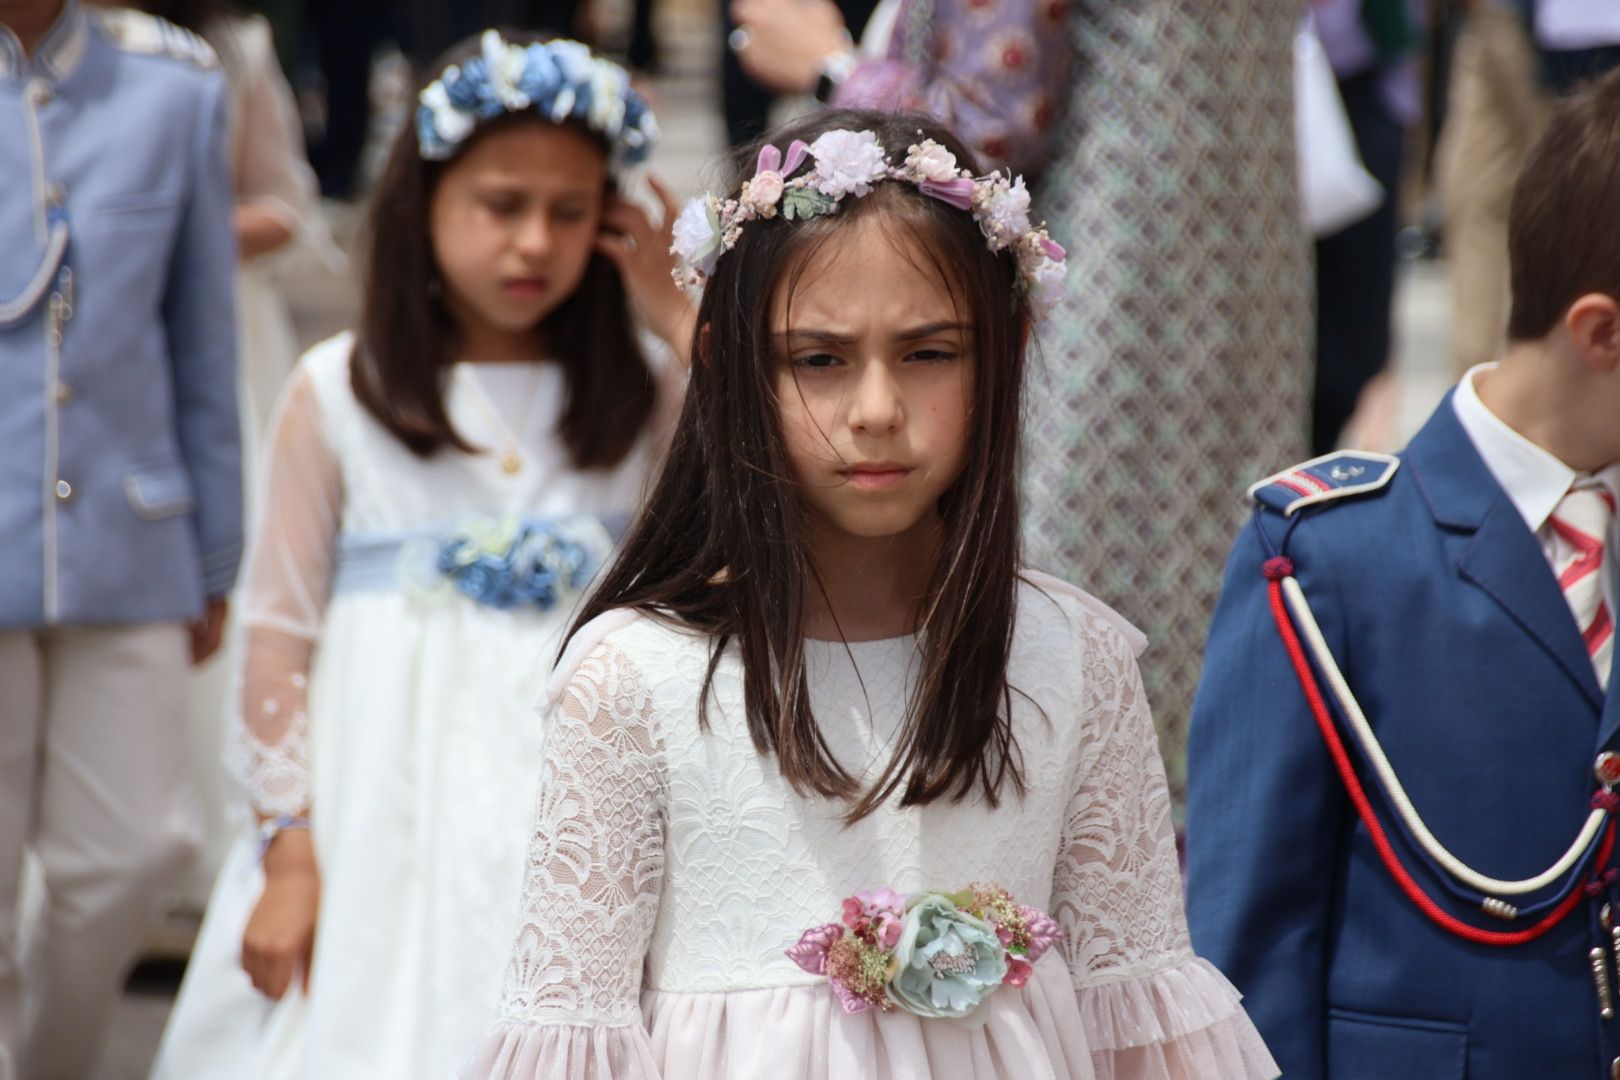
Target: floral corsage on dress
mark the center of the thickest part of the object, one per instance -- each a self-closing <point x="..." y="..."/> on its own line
<point x="507" y="563"/>
<point x="932" y="954"/>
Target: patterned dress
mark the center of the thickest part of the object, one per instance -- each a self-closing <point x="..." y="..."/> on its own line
<point x="1178" y="369"/>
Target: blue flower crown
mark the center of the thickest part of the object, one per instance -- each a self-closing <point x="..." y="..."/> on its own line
<point x="560" y="79"/>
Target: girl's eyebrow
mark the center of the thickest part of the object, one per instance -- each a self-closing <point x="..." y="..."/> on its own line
<point x="931" y="329"/>
<point x="516" y="183"/>
<point x="832" y="337"/>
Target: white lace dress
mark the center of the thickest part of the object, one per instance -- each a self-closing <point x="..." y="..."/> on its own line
<point x="398" y="714"/>
<point x="671" y="868"/>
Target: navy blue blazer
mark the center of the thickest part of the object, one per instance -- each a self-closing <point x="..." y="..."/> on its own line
<point x="1450" y="627"/>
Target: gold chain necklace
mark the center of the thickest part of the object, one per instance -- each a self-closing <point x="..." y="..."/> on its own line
<point x="511" y="457"/>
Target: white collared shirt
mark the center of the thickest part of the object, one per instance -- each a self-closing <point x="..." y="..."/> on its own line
<point x="1535" y="480"/>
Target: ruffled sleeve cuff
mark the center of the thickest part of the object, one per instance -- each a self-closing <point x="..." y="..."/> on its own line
<point x="1184" y="1021"/>
<point x="526" y="1051"/>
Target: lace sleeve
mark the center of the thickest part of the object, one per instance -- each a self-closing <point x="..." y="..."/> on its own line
<point x="571" y="1003"/>
<point x="1151" y="1009"/>
<point x="283" y="597"/>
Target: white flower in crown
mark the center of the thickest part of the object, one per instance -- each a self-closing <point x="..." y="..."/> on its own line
<point x="608" y="86"/>
<point x="1003" y="212"/>
<point x="574" y="60"/>
<point x="848" y="163"/>
<point x="449" y="123"/>
<point x="504" y="63"/>
<point x="698" y="240"/>
<point x="1046" y="285"/>
<point x="930" y="161"/>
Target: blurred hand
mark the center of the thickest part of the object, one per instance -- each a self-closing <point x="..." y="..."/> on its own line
<point x="209" y="631"/>
<point x="259" y="232"/>
<point x="640" y="251"/>
<point x="788" y="41"/>
<point x="279" y="941"/>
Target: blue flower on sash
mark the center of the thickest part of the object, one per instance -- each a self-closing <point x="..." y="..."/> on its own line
<point x="506" y="563"/>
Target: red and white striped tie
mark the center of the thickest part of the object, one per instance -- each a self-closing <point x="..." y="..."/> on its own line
<point x="1580" y="525"/>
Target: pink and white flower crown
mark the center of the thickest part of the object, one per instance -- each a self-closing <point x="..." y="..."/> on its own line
<point x="850" y="163"/>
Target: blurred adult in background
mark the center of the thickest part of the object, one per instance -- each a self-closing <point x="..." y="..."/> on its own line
<point x="1513" y="58"/>
<point x="1498" y="106"/>
<point x="746" y="95"/>
<point x="1163" y="130"/>
<point x="1372" y="45"/>
<point x="345" y="35"/>
<point x="1579" y="40"/>
<point x="276" y="205"/>
<point x="275" y="187"/>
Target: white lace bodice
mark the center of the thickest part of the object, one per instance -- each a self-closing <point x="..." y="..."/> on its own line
<point x="678" y="860"/>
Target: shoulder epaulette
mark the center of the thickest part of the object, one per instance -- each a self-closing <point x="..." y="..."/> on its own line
<point x="1325" y="479"/>
<point x="148" y="35"/>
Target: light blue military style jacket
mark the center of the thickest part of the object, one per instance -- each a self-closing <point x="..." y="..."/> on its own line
<point x="120" y="463"/>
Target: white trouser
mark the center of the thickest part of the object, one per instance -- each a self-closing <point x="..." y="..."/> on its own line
<point x="93" y="778"/>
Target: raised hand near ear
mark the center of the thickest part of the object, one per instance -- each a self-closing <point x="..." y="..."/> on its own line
<point x="639" y="250"/>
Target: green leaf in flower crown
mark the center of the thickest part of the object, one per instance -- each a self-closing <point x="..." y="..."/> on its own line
<point x="804" y="203"/>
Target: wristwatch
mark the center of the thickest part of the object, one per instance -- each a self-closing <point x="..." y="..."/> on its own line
<point x="834" y="70"/>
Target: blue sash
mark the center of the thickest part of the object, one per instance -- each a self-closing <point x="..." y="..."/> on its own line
<point x="500" y="562"/>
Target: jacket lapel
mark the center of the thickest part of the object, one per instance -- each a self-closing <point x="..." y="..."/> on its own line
<point x="1502" y="557"/>
<point x="1611" y="704"/>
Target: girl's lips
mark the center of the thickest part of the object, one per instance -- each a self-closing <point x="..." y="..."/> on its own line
<point x="877" y="478"/>
<point x="524" y="286"/>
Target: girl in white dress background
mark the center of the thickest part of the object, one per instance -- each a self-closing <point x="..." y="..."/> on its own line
<point x="817" y="694"/>
<point x="438" y="487"/>
<point x="276" y="212"/>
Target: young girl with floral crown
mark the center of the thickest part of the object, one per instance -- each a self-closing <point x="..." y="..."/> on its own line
<point x="833" y="785"/>
<point x="439" y="487"/>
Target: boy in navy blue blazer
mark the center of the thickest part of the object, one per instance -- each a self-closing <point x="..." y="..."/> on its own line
<point x="1404" y="751"/>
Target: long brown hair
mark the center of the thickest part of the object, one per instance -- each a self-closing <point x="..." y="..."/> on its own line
<point x="721" y="545"/>
<point x="406" y="340"/>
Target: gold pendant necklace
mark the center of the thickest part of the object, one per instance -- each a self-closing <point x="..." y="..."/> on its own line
<point x="511" y="458"/>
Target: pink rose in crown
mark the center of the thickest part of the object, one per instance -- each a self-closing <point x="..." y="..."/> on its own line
<point x="762" y="193"/>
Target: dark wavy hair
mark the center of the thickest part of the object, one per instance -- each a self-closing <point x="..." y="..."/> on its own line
<point x="406" y="339"/>
<point x="721" y="543"/>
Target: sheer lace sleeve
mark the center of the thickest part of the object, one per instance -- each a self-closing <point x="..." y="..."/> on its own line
<point x="1151" y="1009"/>
<point x="284" y="594"/>
<point x="596" y="864"/>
